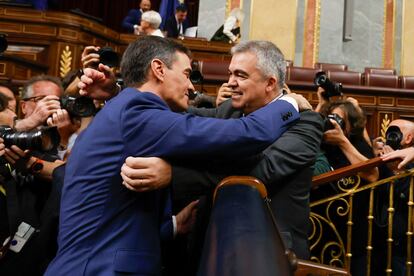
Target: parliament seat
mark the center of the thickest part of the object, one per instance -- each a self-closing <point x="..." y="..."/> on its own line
<point x="301" y="74"/>
<point x="289" y="63"/>
<point x="379" y="80"/>
<point x="380" y="71"/>
<point x="346" y="77"/>
<point x="214" y="70"/>
<point x="407" y="82"/>
<point x="331" y="66"/>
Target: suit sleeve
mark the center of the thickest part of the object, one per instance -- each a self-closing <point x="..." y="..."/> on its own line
<point x="150" y="132"/>
<point x="295" y="149"/>
<point x="170" y="28"/>
<point x="133" y="18"/>
<point x="203" y="112"/>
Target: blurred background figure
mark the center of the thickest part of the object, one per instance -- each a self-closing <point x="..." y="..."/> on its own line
<point x="132" y="21"/>
<point x="230" y="31"/>
<point x="5" y="91"/>
<point x="176" y="25"/>
<point x="150" y="23"/>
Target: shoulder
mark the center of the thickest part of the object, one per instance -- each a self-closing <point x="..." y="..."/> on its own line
<point x="131" y="98"/>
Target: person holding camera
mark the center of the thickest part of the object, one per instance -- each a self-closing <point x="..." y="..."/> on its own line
<point x="399" y="139"/>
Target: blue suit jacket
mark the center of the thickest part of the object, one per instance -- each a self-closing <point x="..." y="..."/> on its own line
<point x="171" y="27"/>
<point x="107" y="229"/>
<point x="133" y="18"/>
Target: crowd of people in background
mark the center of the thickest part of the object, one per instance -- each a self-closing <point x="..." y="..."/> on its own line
<point x="144" y="21"/>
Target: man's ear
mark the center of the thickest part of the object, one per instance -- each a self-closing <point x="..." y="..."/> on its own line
<point x="409" y="139"/>
<point x="271" y="84"/>
<point x="158" y="69"/>
<point x="23" y="107"/>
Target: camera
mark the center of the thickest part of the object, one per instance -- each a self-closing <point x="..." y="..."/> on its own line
<point x="196" y="77"/>
<point x="393" y="137"/>
<point x="328" y="124"/>
<point x="43" y="139"/>
<point x="331" y="88"/>
<point x="3" y="43"/>
<point x="108" y="57"/>
<point x="78" y="107"/>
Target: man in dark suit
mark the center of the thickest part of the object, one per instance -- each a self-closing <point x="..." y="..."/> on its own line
<point x="132" y="21"/>
<point x="176" y="25"/>
<point x="285" y="167"/>
<point x="104" y="228"/>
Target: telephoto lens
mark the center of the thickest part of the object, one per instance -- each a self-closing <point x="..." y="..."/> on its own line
<point x="44" y="139"/>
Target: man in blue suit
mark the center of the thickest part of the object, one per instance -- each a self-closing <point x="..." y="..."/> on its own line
<point x="176" y="25"/>
<point x="106" y="229"/>
<point x="132" y="21"/>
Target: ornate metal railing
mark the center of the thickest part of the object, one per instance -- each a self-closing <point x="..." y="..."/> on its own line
<point x="334" y="216"/>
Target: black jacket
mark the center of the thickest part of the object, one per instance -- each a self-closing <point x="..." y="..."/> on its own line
<point x="285" y="167"/>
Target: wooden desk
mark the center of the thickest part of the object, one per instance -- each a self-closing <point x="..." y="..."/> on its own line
<point x="52" y="42"/>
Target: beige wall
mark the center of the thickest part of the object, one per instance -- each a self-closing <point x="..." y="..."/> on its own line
<point x="275" y="20"/>
<point x="407" y="53"/>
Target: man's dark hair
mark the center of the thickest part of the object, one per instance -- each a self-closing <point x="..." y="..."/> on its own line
<point x="4" y="102"/>
<point x="137" y="58"/>
<point x="181" y="8"/>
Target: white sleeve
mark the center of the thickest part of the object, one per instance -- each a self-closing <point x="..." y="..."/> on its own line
<point x="229" y="25"/>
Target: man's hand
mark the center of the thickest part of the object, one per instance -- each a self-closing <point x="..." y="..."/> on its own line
<point x="90" y="57"/>
<point x="44" y="108"/>
<point x="141" y="174"/>
<point x="407" y="156"/>
<point x="2" y="147"/>
<point x="302" y="102"/>
<point x="62" y="121"/>
<point x="322" y="101"/>
<point x="223" y="94"/>
<point x="186" y="217"/>
<point x="100" y="85"/>
<point x="18" y="158"/>
<point x="378" y="146"/>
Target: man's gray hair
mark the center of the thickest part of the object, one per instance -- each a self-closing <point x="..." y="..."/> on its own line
<point x="270" y="60"/>
<point x="27" y="91"/>
<point x="153" y="18"/>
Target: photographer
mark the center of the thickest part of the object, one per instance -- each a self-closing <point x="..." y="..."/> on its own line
<point x="399" y="140"/>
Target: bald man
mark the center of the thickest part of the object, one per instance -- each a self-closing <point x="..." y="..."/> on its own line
<point x="10" y="96"/>
<point x="401" y="196"/>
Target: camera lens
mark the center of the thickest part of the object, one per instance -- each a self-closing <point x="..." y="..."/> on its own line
<point x="108" y="56"/>
<point x="43" y="139"/>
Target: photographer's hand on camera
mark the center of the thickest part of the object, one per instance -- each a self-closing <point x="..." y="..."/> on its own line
<point x="322" y="101"/>
<point x="335" y="136"/>
<point x="90" y="57"/>
<point x="2" y="147"/>
<point x="66" y="128"/>
<point x="43" y="110"/>
<point x="18" y="158"/>
<point x="100" y="85"/>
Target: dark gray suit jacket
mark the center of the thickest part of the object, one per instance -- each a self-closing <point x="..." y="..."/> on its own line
<point x="286" y="168"/>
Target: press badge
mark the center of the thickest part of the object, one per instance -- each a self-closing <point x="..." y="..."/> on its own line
<point x="23" y="234"/>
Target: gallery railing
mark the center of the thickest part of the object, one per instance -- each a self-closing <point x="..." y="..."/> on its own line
<point x="345" y="211"/>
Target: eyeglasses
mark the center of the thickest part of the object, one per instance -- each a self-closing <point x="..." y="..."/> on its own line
<point x="34" y="99"/>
